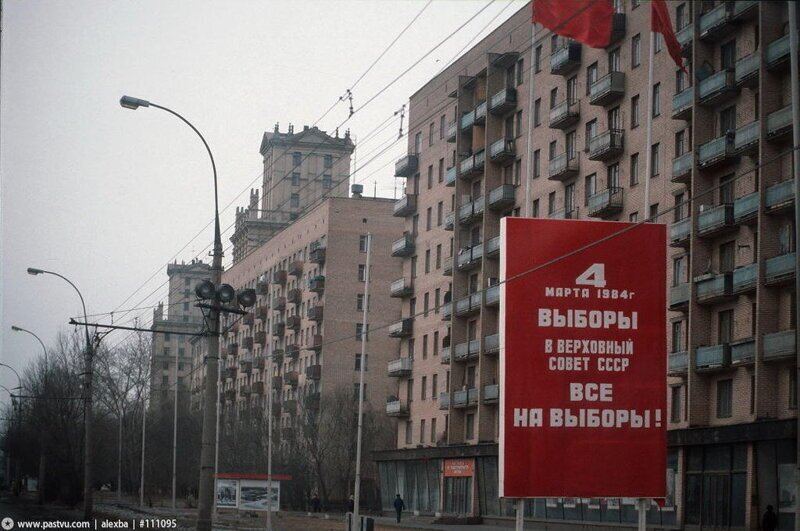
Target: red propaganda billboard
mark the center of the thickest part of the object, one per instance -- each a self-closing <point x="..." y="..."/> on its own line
<point x="583" y="359"/>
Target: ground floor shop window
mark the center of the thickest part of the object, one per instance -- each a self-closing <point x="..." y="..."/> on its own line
<point x="458" y="495"/>
<point x="775" y="461"/>
<point x="716" y="484"/>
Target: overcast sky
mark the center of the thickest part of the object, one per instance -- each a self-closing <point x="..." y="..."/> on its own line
<point x="107" y="196"/>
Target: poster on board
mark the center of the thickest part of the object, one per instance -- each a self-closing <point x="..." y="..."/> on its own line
<point x="227" y="493"/>
<point x="259" y="495"/>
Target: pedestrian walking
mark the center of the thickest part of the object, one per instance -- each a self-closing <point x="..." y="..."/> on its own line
<point x="315" y="504"/>
<point x="770" y="520"/>
<point x="351" y="504"/>
<point x="399" y="505"/>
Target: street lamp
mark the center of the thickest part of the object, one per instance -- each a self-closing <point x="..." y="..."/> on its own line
<point x="15" y="402"/>
<point x="43" y="441"/>
<point x="87" y="401"/>
<point x="205" y="498"/>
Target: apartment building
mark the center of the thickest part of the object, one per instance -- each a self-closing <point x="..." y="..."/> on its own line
<point x="171" y="359"/>
<point x="730" y="327"/>
<point x="299" y="168"/>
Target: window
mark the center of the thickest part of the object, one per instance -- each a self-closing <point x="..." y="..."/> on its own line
<point x="295" y="200"/>
<point x="295" y="178"/>
<point x="727" y="120"/>
<point x="681" y="18"/>
<point x="572" y="90"/>
<point x="727" y="55"/>
<point x="727" y="258"/>
<point x="166" y="351"/>
<point x="520" y="72"/>
<point x="422" y="429"/>
<point x="551" y="150"/>
<point x="428" y="216"/>
<point x="418" y="143"/>
<point x="553" y="97"/>
<point x="726" y="189"/>
<point x="410" y="390"/>
<point x="654" y="159"/>
<point x="675" y="409"/>
<point x="589" y="187"/>
<point x="434" y="386"/>
<point x="359" y="329"/>
<point x="518" y="123"/>
<point x="677" y="332"/>
<point x="327" y="181"/>
<point x="358" y="362"/>
<point x="653" y="214"/>
<point x="633" y="217"/>
<point x="430" y="134"/>
<point x="535" y="212"/>
<point x="792" y="389"/>
<point x="438" y="258"/>
<point x="359" y="302"/>
<point x="441" y="127"/>
<point x="591" y="77"/>
<point x="724" y="395"/>
<point x="658" y="44"/>
<point x="681" y="209"/>
<point x="517" y="172"/>
<point x="328" y="161"/>
<point x="635" y="111"/>
<point x="680" y="81"/>
<point x="362" y="243"/>
<point x="470" y="426"/>
<point x="569" y="197"/>
<point x="591" y="131"/>
<point x="185" y="306"/>
<point x="612" y="179"/>
<point x="538" y="59"/>
<point x="424" y="388"/>
<point x="362" y="272"/>
<point x="614" y="61"/>
<point x="440" y="176"/>
<point x="680" y="143"/>
<point x="537" y="160"/>
<point x="551" y="202"/>
<point x="636" y="50"/>
<point x="439" y="213"/>
<point x="167" y="337"/>
<point x="614" y="120"/>
<point x="537" y="112"/>
<point x="433" y="430"/>
<point x="297" y="157"/>
<point x="656" y="99"/>
<point x="634" y="173"/>
<point x="408" y="432"/>
<point x="725" y="326"/>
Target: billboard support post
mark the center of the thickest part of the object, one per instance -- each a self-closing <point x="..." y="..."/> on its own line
<point x="641" y="507"/>
<point x="520" y="522"/>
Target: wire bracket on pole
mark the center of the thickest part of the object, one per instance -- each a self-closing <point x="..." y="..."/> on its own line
<point x="402" y="112"/>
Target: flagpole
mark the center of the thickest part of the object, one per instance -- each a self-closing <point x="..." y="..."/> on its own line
<point x="648" y="166"/>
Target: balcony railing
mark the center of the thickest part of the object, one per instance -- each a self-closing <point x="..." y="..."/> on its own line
<point x="444" y="356"/>
<point x="296" y="268"/>
<point x="492" y="295"/>
<point x="682" y="167"/>
<point x="452" y="131"/>
<point x="745" y="278"/>
<point x="744" y="9"/>
<point x="503" y="101"/>
<point x="713" y="23"/>
<point x="747" y="137"/>
<point x="405" y="206"/>
<point x="606" y="145"/>
<point x="718" y="151"/>
<point x="779" y="123"/>
<point x="480" y="113"/>
<point x="317" y="256"/>
<point x="491" y="393"/>
<point x="712" y="288"/>
<point x="565" y="114"/>
<point x="470" y="257"/>
<point x="406" y="166"/>
<point x="465" y="397"/>
<point x="566" y="57"/>
<point x="606" y="203"/>
<point x="712" y="357"/>
<point x="685" y="35"/>
<point x="278" y="329"/>
<point x="717" y="87"/>
<point x="502" y="197"/>
<point x="467" y="350"/>
<point x="444" y="401"/>
<point x="678" y="363"/>
<point x="401" y="328"/>
<point x="466" y="166"/>
<point x="467" y="119"/>
<point x="607" y="89"/>
<point x="778" y="53"/>
<point x="315" y="313"/>
<point x="564" y="166"/>
<point x="294" y="296"/>
<point x="679" y="295"/>
<point x="400" y="367"/>
<point x="502" y="150"/>
<point x="491" y="344"/>
<point x="317" y="284"/>
<point x="468" y="305"/>
<point x="471" y="211"/>
<point x="779" y="345"/>
<point x="679" y="232"/>
<point x="395" y="408"/>
<point x="780" y="196"/>
<point x="564" y="213"/>
<point x="779" y="269"/>
<point x="492" y="247"/>
<point x="279" y="277"/>
<point x="403" y="246"/>
<point x="450" y="176"/>
<point x="402" y="287"/>
<point x="682" y="104"/>
<point x="743" y="352"/>
<point x="261" y="338"/>
<point x="747" y="69"/>
<point x="746" y="207"/>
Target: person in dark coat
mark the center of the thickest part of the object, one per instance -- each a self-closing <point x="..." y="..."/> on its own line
<point x="399" y="506"/>
<point x="770" y="520"/>
<point x="351" y="504"/>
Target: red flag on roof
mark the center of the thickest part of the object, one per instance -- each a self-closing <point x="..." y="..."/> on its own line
<point x="586" y="21"/>
<point x="661" y="23"/>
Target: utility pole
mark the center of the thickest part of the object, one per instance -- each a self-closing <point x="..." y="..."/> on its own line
<point x="356" y="524"/>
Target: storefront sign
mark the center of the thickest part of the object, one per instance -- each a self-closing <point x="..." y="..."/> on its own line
<point x="459" y="468"/>
<point x="583" y="359"/>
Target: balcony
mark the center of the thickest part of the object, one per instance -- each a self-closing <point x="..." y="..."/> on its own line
<point x="747" y="138"/>
<point x="229" y="373"/>
<point x="277" y="382"/>
<point x="249" y="319"/>
<point x="278" y="329"/>
<point x="744" y="9"/>
<point x="607" y="145"/>
<point x="779" y="123"/>
<point x="406" y="166"/>
<point x="713" y="288"/>
<point x="467" y="120"/>
<point x="262" y="287"/>
<point x="317" y="255"/>
<point x="315" y="313"/>
<point x="717" y="152"/>
<point x="608" y="89"/>
<point x="780" y="269"/>
<point x="290" y="407"/>
<point x="466" y="166"/>
<point x="492" y="247"/>
<point x="262" y="312"/>
<point x="261" y="338"/>
<point x="405" y="206"/>
<point x="247" y="344"/>
<point x="293" y="322"/>
<point x="259" y="363"/>
<point x="400" y="368"/>
<point x="465" y="398"/>
<point x="502" y="150"/>
<point x="566" y="57"/>
<point x="277" y="355"/>
<point x="682" y="104"/>
<point x="317" y="284"/>
<point x="294" y="296"/>
<point x="470" y="257"/>
<point x="472" y="211"/>
<point x="743" y="352"/>
<point x="402" y="287"/>
<point x="312" y="401"/>
<point x="403" y="246"/>
<point x="480" y="162"/>
<point x="230" y="394"/>
<point x="746" y="70"/>
<point x="291" y="378"/>
<point x="679" y="296"/>
<point x="480" y="113"/>
<point x="745" y="278"/>
<point x="503" y="101"/>
<point x="678" y="363"/>
<point x="714" y="220"/>
<point x="401" y="328"/>
<point x="467" y="350"/>
<point x="447" y="267"/>
<point x="296" y="268"/>
<point x="606" y="203"/>
<point x="492" y="295"/>
<point x="685" y="37"/>
<point x="565" y="114"/>
<point x="450" y="176"/>
<point x="293" y="351"/>
<point x="258" y="388"/>
<point x="395" y="408"/>
<point x="716" y="23"/>
<point x="444" y="401"/>
<point x="778" y="53"/>
<point x="279" y="304"/>
<point x="447" y="311"/>
<point x="246" y="366"/>
<point x="682" y="168"/>
<point x="745" y="208"/>
<point x="564" y="166"/>
<point x="564" y="213"/>
<point x="279" y="277"/>
<point x="469" y="305"/>
<point x="450" y="221"/>
<point x="780" y="196"/>
<point x="316" y="343"/>
<point x="718" y="87"/>
<point x="712" y="358"/>
<point x="617" y="28"/>
<point x="491" y="393"/>
<point x="491" y="344"/>
<point x="452" y="131"/>
<point x="233" y="349"/>
<point x="779" y="345"/>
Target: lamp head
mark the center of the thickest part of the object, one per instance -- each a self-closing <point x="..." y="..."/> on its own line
<point x="205" y="290"/>
<point x="133" y="103"/>
<point x="246" y="297"/>
<point x="226" y="293"/>
<point x="34" y="271"/>
<point x="16" y="328"/>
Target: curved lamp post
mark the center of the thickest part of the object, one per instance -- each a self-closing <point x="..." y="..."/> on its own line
<point x="43" y="442"/>
<point x="14" y="399"/>
<point x="205" y="498"/>
<point x="87" y="401"/>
